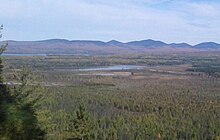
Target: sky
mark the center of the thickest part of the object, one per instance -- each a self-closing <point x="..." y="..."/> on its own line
<point x="191" y="21"/>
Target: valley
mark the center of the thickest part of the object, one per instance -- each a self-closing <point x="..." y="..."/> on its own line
<point x="128" y="96"/>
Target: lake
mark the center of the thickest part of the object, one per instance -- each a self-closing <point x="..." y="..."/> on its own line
<point x="116" y="67"/>
<point x="24" y="54"/>
<point x="42" y="54"/>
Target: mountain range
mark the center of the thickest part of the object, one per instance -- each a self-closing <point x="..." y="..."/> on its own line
<point x="62" y="46"/>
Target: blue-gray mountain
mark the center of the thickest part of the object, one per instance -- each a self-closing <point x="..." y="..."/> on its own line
<point x="60" y="46"/>
<point x="209" y="45"/>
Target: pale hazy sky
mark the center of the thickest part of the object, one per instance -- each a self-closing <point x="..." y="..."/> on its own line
<point x="190" y="21"/>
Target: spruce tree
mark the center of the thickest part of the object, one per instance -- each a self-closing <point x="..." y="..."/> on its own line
<point x="82" y="127"/>
<point x="4" y="92"/>
<point x="17" y="117"/>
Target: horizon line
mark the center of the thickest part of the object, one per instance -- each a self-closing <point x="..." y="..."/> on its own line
<point x="40" y="40"/>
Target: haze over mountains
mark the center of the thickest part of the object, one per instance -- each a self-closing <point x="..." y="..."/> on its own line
<point x="62" y="46"/>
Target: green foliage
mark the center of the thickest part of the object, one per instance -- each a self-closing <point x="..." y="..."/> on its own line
<point x="4" y="94"/>
<point x="18" y="120"/>
<point x="21" y="123"/>
<point x="82" y="127"/>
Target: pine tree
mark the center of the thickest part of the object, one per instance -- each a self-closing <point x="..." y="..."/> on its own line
<point x="4" y="93"/>
<point x="17" y="117"/>
<point x="82" y="126"/>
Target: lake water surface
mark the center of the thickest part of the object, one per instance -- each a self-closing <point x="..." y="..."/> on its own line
<point x="116" y="67"/>
<point x="41" y="54"/>
<point x="24" y="54"/>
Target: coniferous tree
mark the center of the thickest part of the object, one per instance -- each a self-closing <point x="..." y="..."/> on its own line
<point x="82" y="127"/>
<point x="4" y="93"/>
<point x="17" y="116"/>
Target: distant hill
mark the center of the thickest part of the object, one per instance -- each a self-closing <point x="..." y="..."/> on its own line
<point x="115" y="43"/>
<point x="62" y="46"/>
<point x="147" y="43"/>
<point x="180" y="45"/>
<point x="208" y="45"/>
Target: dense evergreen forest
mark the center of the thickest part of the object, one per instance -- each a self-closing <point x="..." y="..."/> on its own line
<point x="174" y="97"/>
